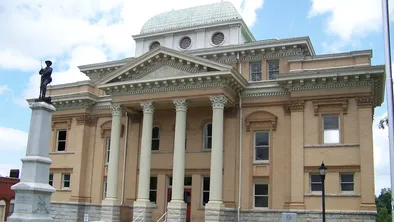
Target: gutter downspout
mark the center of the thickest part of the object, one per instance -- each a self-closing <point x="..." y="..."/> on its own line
<point x="124" y="157"/>
<point x="240" y="149"/>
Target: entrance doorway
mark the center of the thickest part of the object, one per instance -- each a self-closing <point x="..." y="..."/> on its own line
<point x="187" y="197"/>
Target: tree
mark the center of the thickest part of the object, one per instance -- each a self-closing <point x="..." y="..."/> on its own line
<point x="383" y="123"/>
<point x="383" y="205"/>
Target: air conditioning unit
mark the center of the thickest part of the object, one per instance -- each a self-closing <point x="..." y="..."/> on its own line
<point x="289" y="217"/>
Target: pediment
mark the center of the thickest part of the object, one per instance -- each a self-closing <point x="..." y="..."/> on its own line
<point x="163" y="63"/>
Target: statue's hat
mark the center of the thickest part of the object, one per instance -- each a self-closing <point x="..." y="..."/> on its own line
<point x="48" y="62"/>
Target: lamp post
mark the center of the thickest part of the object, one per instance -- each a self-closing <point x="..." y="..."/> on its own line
<point x="322" y="171"/>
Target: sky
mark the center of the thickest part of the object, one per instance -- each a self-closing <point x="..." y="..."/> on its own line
<point x="76" y="32"/>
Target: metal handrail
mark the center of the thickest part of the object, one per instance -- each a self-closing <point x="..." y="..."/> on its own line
<point x="165" y="213"/>
<point x="139" y="216"/>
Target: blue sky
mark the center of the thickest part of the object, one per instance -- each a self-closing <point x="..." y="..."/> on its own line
<point x="76" y="32"/>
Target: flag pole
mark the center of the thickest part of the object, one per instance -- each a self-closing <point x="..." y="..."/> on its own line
<point x="389" y="91"/>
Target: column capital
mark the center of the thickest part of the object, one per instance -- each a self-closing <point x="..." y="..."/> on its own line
<point x="148" y="107"/>
<point x="180" y="104"/>
<point x="117" y="109"/>
<point x="218" y="102"/>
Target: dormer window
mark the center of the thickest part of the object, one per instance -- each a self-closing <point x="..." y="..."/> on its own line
<point x="154" y="45"/>
<point x="185" y="43"/>
<point x="217" y="38"/>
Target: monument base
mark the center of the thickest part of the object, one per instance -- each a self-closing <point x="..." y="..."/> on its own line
<point x="45" y="99"/>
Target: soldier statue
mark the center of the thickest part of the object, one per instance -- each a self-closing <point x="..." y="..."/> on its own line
<point x="45" y="80"/>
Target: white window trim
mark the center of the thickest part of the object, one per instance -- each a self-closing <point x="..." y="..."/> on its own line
<point x="340" y="183"/>
<point x="205" y="136"/>
<point x="158" y="138"/>
<point x="250" y="71"/>
<point x="69" y="181"/>
<point x="107" y="149"/>
<point x="57" y="141"/>
<point x="310" y="184"/>
<point x="202" y="191"/>
<point x="339" y="127"/>
<point x="254" y="147"/>
<point x="254" y="194"/>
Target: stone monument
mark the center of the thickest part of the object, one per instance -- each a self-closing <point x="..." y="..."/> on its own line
<point x="33" y="192"/>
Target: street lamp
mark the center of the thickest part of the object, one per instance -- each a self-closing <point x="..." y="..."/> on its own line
<point x="322" y="171"/>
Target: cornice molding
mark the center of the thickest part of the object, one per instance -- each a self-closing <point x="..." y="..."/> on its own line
<point x="61" y="120"/>
<point x="330" y="102"/>
<point x="364" y="102"/>
<point x="87" y="120"/>
<point x="333" y="169"/>
<point x="297" y="106"/>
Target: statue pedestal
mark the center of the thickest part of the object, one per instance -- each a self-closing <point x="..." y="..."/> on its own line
<point x="33" y="192"/>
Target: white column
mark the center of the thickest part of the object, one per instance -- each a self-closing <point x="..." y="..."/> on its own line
<point x="113" y="165"/>
<point x="145" y="155"/>
<point x="179" y="151"/>
<point x="216" y="177"/>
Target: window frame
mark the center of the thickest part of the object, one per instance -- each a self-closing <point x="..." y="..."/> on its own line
<point x="155" y="139"/>
<point x="268" y="146"/>
<point x="202" y="191"/>
<point x="105" y="186"/>
<point x="250" y="71"/>
<point x="310" y="183"/>
<point x="339" y="127"/>
<point x="254" y="194"/>
<point x="57" y="140"/>
<point x="107" y="149"/>
<point x="353" y="182"/>
<point x="153" y="190"/>
<point x="63" y="181"/>
<point x="50" y="179"/>
<point x="268" y="68"/>
<point x="205" y="136"/>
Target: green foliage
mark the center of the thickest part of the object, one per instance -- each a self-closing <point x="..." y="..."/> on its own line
<point x="383" y="205"/>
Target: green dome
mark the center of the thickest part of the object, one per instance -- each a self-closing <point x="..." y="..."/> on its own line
<point x="191" y="17"/>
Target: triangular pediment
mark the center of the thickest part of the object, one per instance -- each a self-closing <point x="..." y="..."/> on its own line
<point x="163" y="63"/>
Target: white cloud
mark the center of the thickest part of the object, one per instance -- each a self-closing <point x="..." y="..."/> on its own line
<point x="3" y="89"/>
<point x="12" y="139"/>
<point x="78" y="32"/>
<point x="349" y="20"/>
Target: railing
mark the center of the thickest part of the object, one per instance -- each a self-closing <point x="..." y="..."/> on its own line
<point x="165" y="217"/>
<point x="135" y="220"/>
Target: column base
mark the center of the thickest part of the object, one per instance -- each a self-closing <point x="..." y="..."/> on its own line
<point x="214" y="211"/>
<point x="176" y="211"/>
<point x="297" y="206"/>
<point x="142" y="211"/>
<point x="110" y="213"/>
<point x="368" y="206"/>
<point x="110" y="201"/>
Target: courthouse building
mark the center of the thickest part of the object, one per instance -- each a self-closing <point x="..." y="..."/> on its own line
<point x="206" y="123"/>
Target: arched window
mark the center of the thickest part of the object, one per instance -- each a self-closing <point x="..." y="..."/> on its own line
<point x="155" y="138"/>
<point x="207" y="132"/>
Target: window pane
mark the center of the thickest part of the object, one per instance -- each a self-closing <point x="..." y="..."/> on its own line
<point x="208" y="143"/>
<point x="155" y="132"/>
<point x="209" y="129"/>
<point x="262" y="153"/>
<point x="206" y="183"/>
<point x="260" y="201"/>
<point x="62" y="135"/>
<point x="261" y="189"/>
<point x="316" y="179"/>
<point x="316" y="187"/>
<point x="155" y="144"/>
<point x="331" y="136"/>
<point x="170" y="181"/>
<point x="153" y="183"/>
<point x="261" y="139"/>
<point x="347" y="178"/>
<point x="66" y="177"/>
<point x="331" y="122"/>
<point x="205" y="198"/>
<point x="188" y="181"/>
<point x="152" y="196"/>
<point x="66" y="184"/>
<point x="347" y="187"/>
<point x="61" y="146"/>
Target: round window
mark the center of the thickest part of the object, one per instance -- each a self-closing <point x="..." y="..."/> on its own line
<point x="154" y="45"/>
<point x="185" y="43"/>
<point x="218" y="38"/>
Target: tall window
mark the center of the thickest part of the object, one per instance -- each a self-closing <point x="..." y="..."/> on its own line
<point x="273" y="68"/>
<point x="66" y="180"/>
<point x="331" y="129"/>
<point x="61" y="140"/>
<point x="155" y="138"/>
<point x="260" y="195"/>
<point x="153" y="189"/>
<point x="255" y="71"/>
<point x="208" y="136"/>
<point x="261" y="146"/>
<point x="347" y="182"/>
<point x="107" y="149"/>
<point x="105" y="188"/>
<point x="51" y="179"/>
<point x="316" y="182"/>
<point x="205" y="190"/>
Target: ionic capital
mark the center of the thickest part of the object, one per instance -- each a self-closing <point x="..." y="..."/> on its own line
<point x="147" y="107"/>
<point x="180" y="105"/>
<point x="117" y="109"/>
<point x="218" y="102"/>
